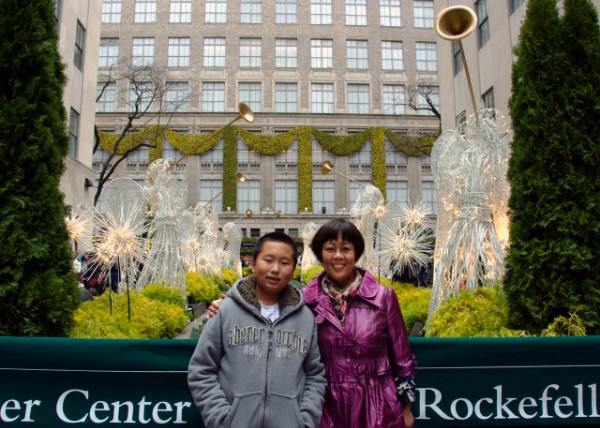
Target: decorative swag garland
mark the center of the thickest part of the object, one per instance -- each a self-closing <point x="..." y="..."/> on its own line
<point x="270" y="145"/>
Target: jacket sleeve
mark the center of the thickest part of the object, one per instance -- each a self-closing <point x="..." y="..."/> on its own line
<point x="401" y="357"/>
<point x="311" y="405"/>
<point x="203" y="380"/>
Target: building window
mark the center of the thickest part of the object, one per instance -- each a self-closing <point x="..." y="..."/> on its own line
<point x="286" y="53"/>
<point x="213" y="158"/>
<point x="356" y="12"/>
<point x="286" y="97"/>
<point x="214" y="52"/>
<point x="250" y="53"/>
<point x="140" y="96"/>
<point x="322" y="97"/>
<point x="357" y="54"/>
<point x="250" y="11"/>
<point x="79" y="46"/>
<point x="320" y="12"/>
<point x="426" y="56"/>
<point x="488" y="98"/>
<point x="181" y="11"/>
<point x="428" y="94"/>
<point x="111" y="11"/>
<point x="457" y="64"/>
<point x="323" y="196"/>
<point x="320" y="155"/>
<point x="250" y="93"/>
<point x="246" y="156"/>
<point x="423" y="12"/>
<point x="179" y="52"/>
<point x="285" y="11"/>
<point x="106" y="97"/>
<point x="483" y="33"/>
<point x="248" y="196"/>
<point x="353" y="191"/>
<point x="514" y="5"/>
<point x="145" y="11"/>
<point x="286" y="196"/>
<point x="429" y="196"/>
<point x="109" y="52"/>
<point x="170" y="152"/>
<point x="358" y="98"/>
<point x="215" y="12"/>
<point x="389" y="13"/>
<point x="391" y="55"/>
<point x="213" y="97"/>
<point x="209" y="189"/>
<point x="361" y="157"/>
<point x="393" y="99"/>
<point x="287" y="158"/>
<point x="395" y="157"/>
<point x="321" y="53"/>
<point x="177" y="97"/>
<point x="143" y="51"/>
<point x="396" y="191"/>
<point x="139" y="156"/>
<point x="73" y="132"/>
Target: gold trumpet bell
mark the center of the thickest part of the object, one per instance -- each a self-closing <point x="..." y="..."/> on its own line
<point x="249" y="213"/>
<point x="455" y="22"/>
<point x="326" y="168"/>
<point x="240" y="177"/>
<point x="246" y="112"/>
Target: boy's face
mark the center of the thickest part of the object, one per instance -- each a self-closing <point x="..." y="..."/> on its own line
<point x="273" y="268"/>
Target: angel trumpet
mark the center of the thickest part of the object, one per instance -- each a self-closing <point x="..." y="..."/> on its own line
<point x="245" y="112"/>
<point x="454" y="23"/>
<point x="326" y="168"/>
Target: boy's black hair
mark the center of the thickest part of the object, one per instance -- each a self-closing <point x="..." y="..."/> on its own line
<point x="334" y="228"/>
<point x="275" y="237"/>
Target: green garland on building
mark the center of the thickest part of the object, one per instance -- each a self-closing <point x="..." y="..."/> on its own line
<point x="341" y="145"/>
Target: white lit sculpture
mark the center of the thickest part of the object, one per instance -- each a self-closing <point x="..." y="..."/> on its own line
<point x="469" y="167"/>
<point x="308" y="256"/>
<point x="367" y="210"/>
<point x="232" y="243"/>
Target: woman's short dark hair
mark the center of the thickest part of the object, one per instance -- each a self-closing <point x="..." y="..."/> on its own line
<point x="275" y="237"/>
<point x="334" y="228"/>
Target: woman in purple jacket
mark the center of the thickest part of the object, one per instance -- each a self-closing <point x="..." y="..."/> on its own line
<point x="362" y="337"/>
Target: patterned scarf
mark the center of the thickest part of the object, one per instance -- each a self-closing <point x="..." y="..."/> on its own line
<point x="340" y="296"/>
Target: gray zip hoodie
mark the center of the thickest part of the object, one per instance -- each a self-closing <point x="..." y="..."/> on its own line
<point x="247" y="372"/>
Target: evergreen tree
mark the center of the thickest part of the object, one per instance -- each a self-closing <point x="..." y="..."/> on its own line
<point x="38" y="289"/>
<point x="554" y="168"/>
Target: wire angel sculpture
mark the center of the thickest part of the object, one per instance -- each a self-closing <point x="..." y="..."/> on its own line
<point x="232" y="242"/>
<point x="189" y="239"/>
<point x="165" y="196"/>
<point x="308" y="256"/>
<point x="469" y="166"/>
<point x="404" y="239"/>
<point x="210" y="254"/>
<point x="367" y="210"/>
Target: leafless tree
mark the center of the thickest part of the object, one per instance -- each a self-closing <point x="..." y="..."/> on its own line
<point x="423" y="93"/>
<point x="142" y="94"/>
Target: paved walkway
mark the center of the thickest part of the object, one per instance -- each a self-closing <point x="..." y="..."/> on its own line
<point x="187" y="332"/>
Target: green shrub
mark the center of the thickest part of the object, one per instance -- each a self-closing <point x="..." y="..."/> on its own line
<point x="229" y="276"/>
<point x="164" y="294"/>
<point x="563" y="326"/>
<point x="479" y="313"/>
<point x="311" y="273"/>
<point x="150" y="318"/>
<point x="246" y="271"/>
<point x="201" y="288"/>
<point x="297" y="275"/>
<point x="414" y="301"/>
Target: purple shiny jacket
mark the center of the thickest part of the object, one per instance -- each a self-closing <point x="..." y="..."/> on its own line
<point x="362" y="357"/>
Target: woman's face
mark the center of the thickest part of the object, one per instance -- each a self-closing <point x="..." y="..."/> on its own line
<point x="339" y="261"/>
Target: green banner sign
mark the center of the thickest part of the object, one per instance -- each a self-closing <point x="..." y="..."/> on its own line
<point x="47" y="382"/>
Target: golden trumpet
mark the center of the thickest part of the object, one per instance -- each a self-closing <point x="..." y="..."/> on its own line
<point x="454" y="23"/>
<point x="326" y="168"/>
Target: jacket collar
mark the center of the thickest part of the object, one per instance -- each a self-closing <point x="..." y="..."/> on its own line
<point x="313" y="293"/>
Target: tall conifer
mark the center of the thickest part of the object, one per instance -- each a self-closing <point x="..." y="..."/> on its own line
<point x="38" y="290"/>
<point x="554" y="168"/>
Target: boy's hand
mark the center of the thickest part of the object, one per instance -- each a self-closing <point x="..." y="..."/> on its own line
<point x="214" y="307"/>
<point x="409" y="419"/>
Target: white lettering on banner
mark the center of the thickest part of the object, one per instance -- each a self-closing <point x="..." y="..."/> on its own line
<point x="550" y="405"/>
<point x="10" y="411"/>
<point x="123" y="412"/>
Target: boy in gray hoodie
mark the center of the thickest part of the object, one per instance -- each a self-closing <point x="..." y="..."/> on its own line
<point x="257" y="363"/>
